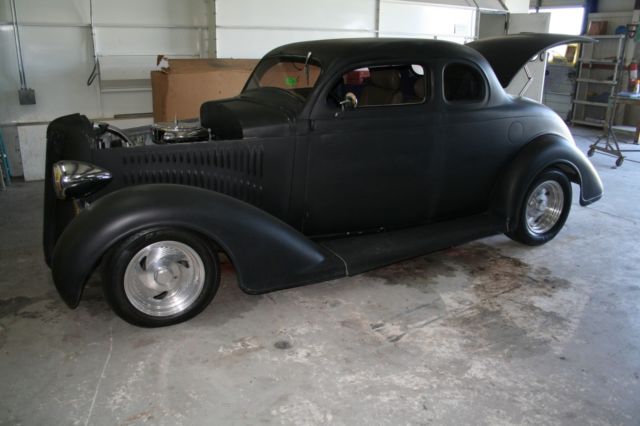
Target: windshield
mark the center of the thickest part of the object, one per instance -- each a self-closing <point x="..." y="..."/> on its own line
<point x="296" y="75"/>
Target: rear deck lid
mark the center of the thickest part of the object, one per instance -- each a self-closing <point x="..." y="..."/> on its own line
<point x="509" y="53"/>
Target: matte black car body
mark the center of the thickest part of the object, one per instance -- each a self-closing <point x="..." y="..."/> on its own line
<point x="299" y="192"/>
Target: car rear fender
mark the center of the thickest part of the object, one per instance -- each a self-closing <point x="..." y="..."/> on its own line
<point x="544" y="152"/>
<point x="267" y="253"/>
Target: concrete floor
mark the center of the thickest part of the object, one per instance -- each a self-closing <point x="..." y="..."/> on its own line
<point x="491" y="332"/>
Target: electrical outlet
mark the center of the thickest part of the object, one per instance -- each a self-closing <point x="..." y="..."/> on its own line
<point x="27" y="96"/>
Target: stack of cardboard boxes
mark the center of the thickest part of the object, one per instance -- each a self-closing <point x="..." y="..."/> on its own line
<point x="179" y="89"/>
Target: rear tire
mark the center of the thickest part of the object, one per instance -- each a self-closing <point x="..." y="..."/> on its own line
<point x="160" y="277"/>
<point x="544" y="209"/>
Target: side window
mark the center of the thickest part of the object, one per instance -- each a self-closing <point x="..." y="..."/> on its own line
<point x="383" y="85"/>
<point x="463" y="83"/>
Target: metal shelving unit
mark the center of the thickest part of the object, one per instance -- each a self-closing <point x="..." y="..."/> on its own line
<point x="598" y="71"/>
<point x="608" y="142"/>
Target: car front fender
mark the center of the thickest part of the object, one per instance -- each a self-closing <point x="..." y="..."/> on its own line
<point x="548" y="151"/>
<point x="267" y="253"/>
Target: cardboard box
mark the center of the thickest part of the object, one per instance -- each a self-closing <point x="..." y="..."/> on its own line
<point x="179" y="89"/>
<point x="597" y="28"/>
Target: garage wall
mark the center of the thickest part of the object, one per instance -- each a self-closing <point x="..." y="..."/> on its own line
<point x="58" y="57"/>
<point x="419" y="20"/>
<point x="276" y="22"/>
<point x="273" y="23"/>
<point x="517" y="6"/>
<point x="58" y="49"/>
<point x="58" y="53"/>
<point x="603" y="5"/>
<point x="556" y="3"/>
<point x="615" y="5"/>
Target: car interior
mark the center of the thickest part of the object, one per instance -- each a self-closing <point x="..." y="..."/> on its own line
<point x="462" y="83"/>
<point x="383" y="85"/>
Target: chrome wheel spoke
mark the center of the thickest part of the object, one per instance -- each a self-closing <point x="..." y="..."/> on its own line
<point x="165" y="278"/>
<point x="544" y="207"/>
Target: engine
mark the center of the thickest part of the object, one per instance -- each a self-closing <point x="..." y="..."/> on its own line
<point x="108" y="136"/>
<point x="179" y="131"/>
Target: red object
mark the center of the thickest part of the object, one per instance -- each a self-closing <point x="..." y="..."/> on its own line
<point x="357" y="76"/>
<point x="633" y="73"/>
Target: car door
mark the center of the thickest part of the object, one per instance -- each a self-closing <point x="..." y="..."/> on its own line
<point x="376" y="165"/>
<point x="475" y="139"/>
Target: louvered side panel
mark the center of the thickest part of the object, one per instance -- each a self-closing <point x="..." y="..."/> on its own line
<point x="232" y="170"/>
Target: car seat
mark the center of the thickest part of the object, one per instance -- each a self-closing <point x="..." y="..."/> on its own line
<point x="383" y="88"/>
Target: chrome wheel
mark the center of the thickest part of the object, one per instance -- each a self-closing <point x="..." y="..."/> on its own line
<point x="544" y="207"/>
<point x="164" y="278"/>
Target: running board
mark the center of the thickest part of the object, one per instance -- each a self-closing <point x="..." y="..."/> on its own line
<point x="370" y="251"/>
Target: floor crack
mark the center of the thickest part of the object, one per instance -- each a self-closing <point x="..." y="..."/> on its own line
<point x="613" y="215"/>
<point x="459" y="311"/>
<point x="102" y="373"/>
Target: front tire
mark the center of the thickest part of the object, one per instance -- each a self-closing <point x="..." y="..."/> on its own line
<point x="160" y="277"/>
<point x="544" y="210"/>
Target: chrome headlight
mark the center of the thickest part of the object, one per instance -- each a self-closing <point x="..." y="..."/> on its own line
<point x="77" y="179"/>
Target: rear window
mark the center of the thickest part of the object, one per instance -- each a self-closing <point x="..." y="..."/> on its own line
<point x="463" y="83"/>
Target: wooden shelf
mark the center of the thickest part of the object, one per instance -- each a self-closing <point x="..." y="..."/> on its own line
<point x="594" y="81"/>
<point x="594" y="123"/>
<point x="591" y="103"/>
<point x="607" y="36"/>
<point x="133" y="85"/>
<point x="599" y="61"/>
<point x="626" y="129"/>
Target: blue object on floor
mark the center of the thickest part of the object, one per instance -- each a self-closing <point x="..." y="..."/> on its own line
<point x="6" y="167"/>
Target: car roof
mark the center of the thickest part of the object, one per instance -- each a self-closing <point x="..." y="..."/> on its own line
<point x="338" y="52"/>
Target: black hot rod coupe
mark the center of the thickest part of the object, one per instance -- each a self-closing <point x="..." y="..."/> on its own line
<point x="339" y="156"/>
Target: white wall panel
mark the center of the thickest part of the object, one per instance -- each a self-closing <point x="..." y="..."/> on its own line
<point x="556" y="3"/>
<point x="129" y="34"/>
<point x="53" y="11"/>
<point x="150" y="12"/>
<point x="462" y="3"/>
<point x="126" y="103"/>
<point x="144" y="41"/>
<point x="58" y="58"/>
<point x="126" y="67"/>
<point x="615" y="6"/>
<point x="32" y="150"/>
<point x="9" y="80"/>
<point x="57" y="63"/>
<point x="490" y="5"/>
<point x="250" y="28"/>
<point x="58" y="53"/>
<point x="517" y="6"/>
<point x="415" y="18"/>
<point x="130" y="53"/>
<point x="5" y="12"/>
<point x="329" y="14"/>
<point x="244" y="43"/>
